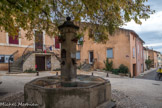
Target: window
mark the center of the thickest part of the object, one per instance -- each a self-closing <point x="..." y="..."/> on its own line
<point x="138" y="49"/>
<point x="14" y="39"/>
<point x="96" y="36"/>
<point x="5" y="58"/>
<point x="2" y="58"/>
<point x="57" y="44"/>
<point x="78" y="55"/>
<point x="110" y="53"/>
<point x="80" y="41"/>
<point x="133" y="52"/>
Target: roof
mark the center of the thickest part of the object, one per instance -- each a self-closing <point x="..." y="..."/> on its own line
<point x="133" y="32"/>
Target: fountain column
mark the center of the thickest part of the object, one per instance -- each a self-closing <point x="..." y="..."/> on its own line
<point x="68" y="41"/>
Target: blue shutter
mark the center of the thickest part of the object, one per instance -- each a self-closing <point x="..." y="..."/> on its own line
<point x="78" y="55"/>
<point x="110" y="53"/>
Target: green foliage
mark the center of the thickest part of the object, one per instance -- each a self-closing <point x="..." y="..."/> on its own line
<point x="30" y="71"/>
<point x="48" y="14"/>
<point x="123" y="69"/>
<point x="115" y="71"/>
<point x="148" y="63"/>
<point x="108" y="65"/>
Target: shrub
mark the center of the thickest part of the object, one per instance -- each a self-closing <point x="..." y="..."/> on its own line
<point x="115" y="71"/>
<point x="30" y="71"/>
<point x="108" y="65"/>
<point x="148" y="63"/>
<point x="123" y="69"/>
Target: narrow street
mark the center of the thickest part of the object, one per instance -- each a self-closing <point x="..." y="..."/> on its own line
<point x="149" y="76"/>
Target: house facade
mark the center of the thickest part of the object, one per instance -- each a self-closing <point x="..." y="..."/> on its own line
<point x="124" y="47"/>
<point x="159" y="59"/>
<point x="146" y="56"/>
<point x="41" y="53"/>
<point x="153" y="55"/>
<point x="36" y="54"/>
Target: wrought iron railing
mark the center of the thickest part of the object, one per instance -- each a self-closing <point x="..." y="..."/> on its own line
<point x="29" y="48"/>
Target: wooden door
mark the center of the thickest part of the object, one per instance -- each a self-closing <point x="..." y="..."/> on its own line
<point x="134" y="70"/>
<point x="40" y="62"/>
<point x="91" y="57"/>
<point x="38" y="41"/>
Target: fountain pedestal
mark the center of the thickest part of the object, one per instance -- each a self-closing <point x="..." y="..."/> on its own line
<point x="68" y="90"/>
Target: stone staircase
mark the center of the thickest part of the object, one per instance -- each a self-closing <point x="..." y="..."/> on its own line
<point x="86" y="67"/>
<point x="17" y="66"/>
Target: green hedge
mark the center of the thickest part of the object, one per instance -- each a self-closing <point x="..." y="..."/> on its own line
<point x="122" y="69"/>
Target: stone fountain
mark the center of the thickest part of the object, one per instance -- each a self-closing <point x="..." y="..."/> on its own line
<point x="68" y="90"/>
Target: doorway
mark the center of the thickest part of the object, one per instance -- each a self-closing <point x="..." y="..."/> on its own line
<point x="40" y="62"/>
<point x="134" y="70"/>
<point x="91" y="57"/>
<point x="38" y="41"/>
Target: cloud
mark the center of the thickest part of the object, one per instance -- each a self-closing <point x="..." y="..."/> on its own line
<point x="153" y="24"/>
<point x="151" y="29"/>
<point x="153" y="45"/>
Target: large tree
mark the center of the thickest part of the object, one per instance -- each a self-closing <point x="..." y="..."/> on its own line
<point x="47" y="14"/>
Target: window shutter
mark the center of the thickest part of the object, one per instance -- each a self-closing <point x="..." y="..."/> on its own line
<point x="13" y="39"/>
<point x="57" y="44"/>
<point x="110" y="53"/>
<point x="78" y="55"/>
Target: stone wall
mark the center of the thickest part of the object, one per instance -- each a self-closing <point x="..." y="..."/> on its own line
<point x="55" y="64"/>
<point x="29" y="63"/>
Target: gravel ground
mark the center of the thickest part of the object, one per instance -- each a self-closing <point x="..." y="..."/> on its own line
<point x="140" y="93"/>
<point x="121" y="100"/>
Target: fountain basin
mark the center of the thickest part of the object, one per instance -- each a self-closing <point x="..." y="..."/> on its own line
<point x="83" y="92"/>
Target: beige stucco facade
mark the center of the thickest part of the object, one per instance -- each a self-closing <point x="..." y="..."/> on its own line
<point x="126" y="45"/>
<point x="123" y="42"/>
<point x="24" y="44"/>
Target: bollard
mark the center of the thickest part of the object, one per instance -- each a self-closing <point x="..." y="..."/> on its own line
<point x="92" y="73"/>
<point x="56" y="73"/>
<point x="107" y="75"/>
<point x="37" y="73"/>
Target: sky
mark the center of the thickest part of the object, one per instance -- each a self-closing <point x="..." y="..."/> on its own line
<point x="151" y="30"/>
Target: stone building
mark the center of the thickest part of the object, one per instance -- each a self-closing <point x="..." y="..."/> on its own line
<point x="39" y="53"/>
<point x="124" y="47"/>
<point x="159" y="59"/>
<point x="153" y="55"/>
<point x="146" y="56"/>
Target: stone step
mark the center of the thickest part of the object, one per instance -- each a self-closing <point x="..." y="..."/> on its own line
<point x="86" y="67"/>
<point x="108" y="104"/>
<point x="17" y="71"/>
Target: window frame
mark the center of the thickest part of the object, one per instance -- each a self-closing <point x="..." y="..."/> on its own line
<point x="134" y="53"/>
<point x="19" y="39"/>
<point x="79" y="55"/>
<point x="6" y="57"/>
<point x="107" y="53"/>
